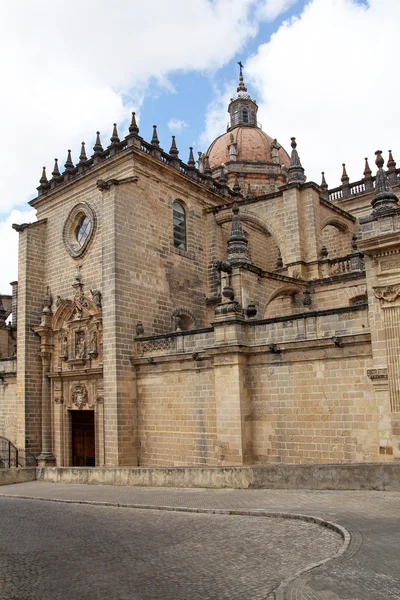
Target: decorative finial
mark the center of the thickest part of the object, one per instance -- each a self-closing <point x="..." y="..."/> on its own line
<point x="238" y="252"/>
<point x="207" y="168"/>
<point x="345" y="178"/>
<point x="324" y="185"/>
<point x="191" y="162"/>
<point x="154" y="140"/>
<point x="97" y="148"/>
<point x="133" y="128"/>
<point x="56" y="170"/>
<point x="114" y="139"/>
<point x="367" y="170"/>
<point x="69" y="165"/>
<point x="222" y="177"/>
<point x="241" y="87"/>
<point x="249" y="193"/>
<point x="236" y="186"/>
<point x="384" y="199"/>
<point x="295" y="170"/>
<point x="82" y="156"/>
<point x="43" y="179"/>
<point x="173" y="150"/>
<point x="391" y="164"/>
<point x="391" y="169"/>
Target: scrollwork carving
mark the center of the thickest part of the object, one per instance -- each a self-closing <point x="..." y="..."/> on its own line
<point x="389" y="293"/>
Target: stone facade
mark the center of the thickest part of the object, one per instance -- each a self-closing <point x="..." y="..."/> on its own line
<point x="231" y="314"/>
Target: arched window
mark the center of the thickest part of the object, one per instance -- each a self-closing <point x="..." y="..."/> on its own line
<point x="179" y="220"/>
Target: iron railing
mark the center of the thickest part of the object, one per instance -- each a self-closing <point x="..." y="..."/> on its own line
<point x="11" y="456"/>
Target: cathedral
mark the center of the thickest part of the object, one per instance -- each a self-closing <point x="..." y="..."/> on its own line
<point x="219" y="311"/>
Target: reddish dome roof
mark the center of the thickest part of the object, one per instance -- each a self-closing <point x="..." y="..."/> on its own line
<point x="252" y="144"/>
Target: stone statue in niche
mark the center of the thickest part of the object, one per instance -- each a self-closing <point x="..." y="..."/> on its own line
<point x="80" y="344"/>
<point x="93" y="351"/>
<point x="178" y="322"/>
<point x="64" y="347"/>
<point x="96" y="297"/>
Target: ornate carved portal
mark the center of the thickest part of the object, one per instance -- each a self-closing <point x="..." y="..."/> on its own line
<point x="77" y="372"/>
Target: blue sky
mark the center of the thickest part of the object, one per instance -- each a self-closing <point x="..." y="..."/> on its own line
<point x="322" y="70"/>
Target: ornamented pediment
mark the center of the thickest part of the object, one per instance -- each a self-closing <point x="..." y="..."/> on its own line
<point x="77" y="325"/>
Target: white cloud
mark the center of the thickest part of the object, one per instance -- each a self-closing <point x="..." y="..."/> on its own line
<point x="271" y="9"/>
<point x="67" y="73"/>
<point x="176" y="125"/>
<point x="216" y="116"/>
<point x="329" y="78"/>
<point x="9" y="247"/>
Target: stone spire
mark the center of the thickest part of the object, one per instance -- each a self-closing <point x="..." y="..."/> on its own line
<point x="191" y="162"/>
<point x="69" y="165"/>
<point x="241" y="87"/>
<point x="367" y="171"/>
<point x="391" y="169"/>
<point x="56" y="170"/>
<point x="207" y="168"/>
<point x="368" y="183"/>
<point x="238" y="253"/>
<point x="173" y="150"/>
<point x="345" y="178"/>
<point x="324" y="187"/>
<point x="236" y="186"/>
<point x="133" y="128"/>
<point x="114" y="139"/>
<point x="295" y="170"/>
<point x="154" y="140"/>
<point x="97" y="148"/>
<point x="43" y="179"/>
<point x="82" y="156"/>
<point x="391" y="164"/>
<point x="384" y="199"/>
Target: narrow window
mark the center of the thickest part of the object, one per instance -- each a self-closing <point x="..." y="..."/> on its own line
<point x="82" y="230"/>
<point x="245" y="114"/>
<point x="179" y="218"/>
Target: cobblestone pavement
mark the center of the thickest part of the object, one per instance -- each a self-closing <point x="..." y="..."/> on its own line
<point x="51" y="551"/>
<point x="368" y="569"/>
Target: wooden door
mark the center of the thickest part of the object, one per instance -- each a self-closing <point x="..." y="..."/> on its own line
<point x="83" y="439"/>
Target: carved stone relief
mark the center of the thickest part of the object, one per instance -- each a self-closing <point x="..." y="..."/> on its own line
<point x="80" y="396"/>
<point x="388" y="293"/>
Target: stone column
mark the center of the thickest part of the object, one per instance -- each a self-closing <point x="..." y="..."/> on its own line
<point x="46" y="457"/>
<point x="391" y="317"/>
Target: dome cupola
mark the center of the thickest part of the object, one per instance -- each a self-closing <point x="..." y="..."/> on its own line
<point x="242" y="108"/>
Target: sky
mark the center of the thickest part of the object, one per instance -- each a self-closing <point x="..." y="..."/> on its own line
<point x="320" y="70"/>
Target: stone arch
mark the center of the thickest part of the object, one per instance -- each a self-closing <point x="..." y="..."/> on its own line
<point x="182" y="319"/>
<point x="335" y="236"/>
<point x="285" y="291"/>
<point x="265" y="262"/>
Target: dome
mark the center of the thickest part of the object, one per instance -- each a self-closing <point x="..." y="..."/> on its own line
<point x="241" y="96"/>
<point x="252" y="144"/>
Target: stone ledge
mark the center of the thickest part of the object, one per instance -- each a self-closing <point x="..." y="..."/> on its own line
<point x="359" y="476"/>
<point x="20" y="475"/>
